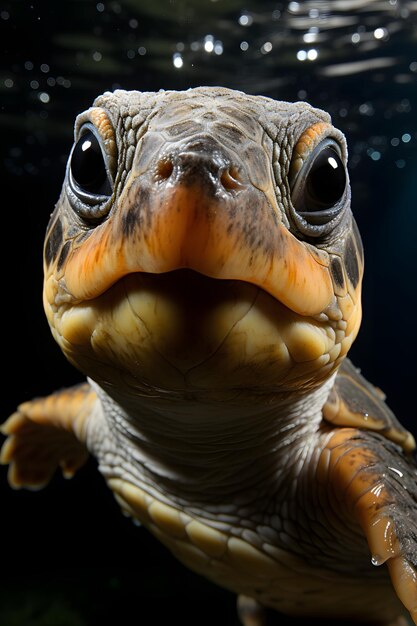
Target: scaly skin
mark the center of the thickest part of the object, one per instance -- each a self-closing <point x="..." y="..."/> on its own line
<point x="212" y="315"/>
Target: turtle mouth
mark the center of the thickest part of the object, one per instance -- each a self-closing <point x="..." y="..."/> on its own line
<point x="195" y="290"/>
<point x="188" y="315"/>
<point x="181" y="330"/>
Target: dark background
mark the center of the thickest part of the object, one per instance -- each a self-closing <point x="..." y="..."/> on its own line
<point x="67" y="554"/>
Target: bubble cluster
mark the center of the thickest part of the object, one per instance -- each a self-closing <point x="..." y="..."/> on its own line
<point x="353" y="62"/>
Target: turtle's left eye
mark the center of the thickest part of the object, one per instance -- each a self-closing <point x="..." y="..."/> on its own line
<point x="90" y="182"/>
<point x="88" y="167"/>
<point x="320" y="188"/>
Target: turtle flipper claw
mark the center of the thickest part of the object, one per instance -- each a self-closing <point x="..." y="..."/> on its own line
<point x="404" y="578"/>
<point x="34" y="452"/>
<point x="44" y="434"/>
<point x="378" y="483"/>
<point x="389" y="545"/>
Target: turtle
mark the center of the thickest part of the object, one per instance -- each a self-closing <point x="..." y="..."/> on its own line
<point x="203" y="270"/>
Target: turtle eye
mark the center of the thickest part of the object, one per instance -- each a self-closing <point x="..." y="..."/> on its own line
<point x="320" y="188"/>
<point x="326" y="181"/>
<point x="90" y="184"/>
<point x="88" y="168"/>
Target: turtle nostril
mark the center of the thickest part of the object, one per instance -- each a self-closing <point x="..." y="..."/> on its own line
<point x="164" y="169"/>
<point x="230" y="179"/>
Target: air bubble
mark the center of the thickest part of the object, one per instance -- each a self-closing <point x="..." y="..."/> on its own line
<point x="267" y="47"/>
<point x="380" y="33"/>
<point x="245" y="20"/>
<point x="177" y="60"/>
<point x="209" y="43"/>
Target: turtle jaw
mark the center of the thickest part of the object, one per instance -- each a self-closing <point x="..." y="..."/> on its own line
<point x="185" y="333"/>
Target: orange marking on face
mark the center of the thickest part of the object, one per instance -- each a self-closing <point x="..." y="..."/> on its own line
<point x="307" y="142"/>
<point x="183" y="227"/>
<point x="101" y="121"/>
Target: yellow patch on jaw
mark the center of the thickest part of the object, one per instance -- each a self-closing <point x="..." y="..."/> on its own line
<point x="305" y="342"/>
<point x="77" y="324"/>
<point x="49" y="288"/>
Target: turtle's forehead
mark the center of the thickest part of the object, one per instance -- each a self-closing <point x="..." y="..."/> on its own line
<point x="230" y="115"/>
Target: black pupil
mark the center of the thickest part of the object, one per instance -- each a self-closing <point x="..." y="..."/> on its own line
<point x="326" y="180"/>
<point x="87" y="165"/>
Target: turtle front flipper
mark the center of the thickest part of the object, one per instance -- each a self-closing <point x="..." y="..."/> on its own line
<point x="372" y="480"/>
<point x="47" y="433"/>
<point x="355" y="402"/>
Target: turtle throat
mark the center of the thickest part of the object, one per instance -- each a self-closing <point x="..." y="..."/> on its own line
<point x="200" y="454"/>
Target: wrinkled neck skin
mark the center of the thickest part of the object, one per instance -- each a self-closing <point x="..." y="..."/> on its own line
<point x="196" y="454"/>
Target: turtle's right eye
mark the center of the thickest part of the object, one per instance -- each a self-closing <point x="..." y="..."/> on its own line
<point x="320" y="190"/>
<point x="89" y="178"/>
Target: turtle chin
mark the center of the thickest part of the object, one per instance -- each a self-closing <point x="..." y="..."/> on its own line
<point x="185" y="333"/>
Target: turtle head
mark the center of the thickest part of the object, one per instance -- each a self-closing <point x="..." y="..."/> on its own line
<point x="204" y="243"/>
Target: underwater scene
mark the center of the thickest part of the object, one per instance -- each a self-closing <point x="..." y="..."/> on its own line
<point x="69" y="557"/>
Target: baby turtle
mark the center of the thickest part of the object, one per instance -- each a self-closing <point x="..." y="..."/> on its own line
<point x="203" y="269"/>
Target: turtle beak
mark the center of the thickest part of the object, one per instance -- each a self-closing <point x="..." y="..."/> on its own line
<point x="197" y="205"/>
